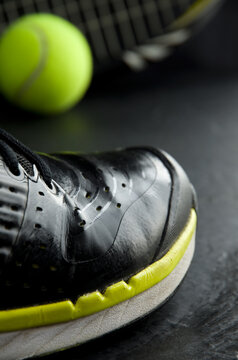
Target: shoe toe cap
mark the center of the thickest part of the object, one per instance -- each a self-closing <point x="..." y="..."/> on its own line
<point x="183" y="198"/>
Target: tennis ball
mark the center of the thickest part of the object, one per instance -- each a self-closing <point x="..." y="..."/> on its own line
<point x="45" y="63"/>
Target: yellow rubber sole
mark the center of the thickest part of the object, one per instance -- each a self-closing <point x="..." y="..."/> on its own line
<point x="64" y="311"/>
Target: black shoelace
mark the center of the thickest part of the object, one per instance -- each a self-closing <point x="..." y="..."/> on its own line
<point x="10" y="147"/>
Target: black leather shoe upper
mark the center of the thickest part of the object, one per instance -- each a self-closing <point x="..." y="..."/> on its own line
<point x="103" y="218"/>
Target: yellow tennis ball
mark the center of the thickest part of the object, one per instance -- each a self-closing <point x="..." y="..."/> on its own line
<point x="45" y="63"/>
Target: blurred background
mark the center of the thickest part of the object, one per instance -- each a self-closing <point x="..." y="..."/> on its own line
<point x="125" y="108"/>
<point x="187" y="105"/>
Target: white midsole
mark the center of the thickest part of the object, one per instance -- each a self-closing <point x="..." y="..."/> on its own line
<point x="27" y="343"/>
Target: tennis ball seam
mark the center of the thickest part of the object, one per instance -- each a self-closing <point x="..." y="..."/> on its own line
<point x="44" y="51"/>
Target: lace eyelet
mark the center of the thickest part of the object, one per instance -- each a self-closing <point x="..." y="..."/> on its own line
<point x="54" y="189"/>
<point x="50" y="186"/>
<point x="18" y="177"/>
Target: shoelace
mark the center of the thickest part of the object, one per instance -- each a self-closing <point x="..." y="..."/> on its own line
<point x="10" y="147"/>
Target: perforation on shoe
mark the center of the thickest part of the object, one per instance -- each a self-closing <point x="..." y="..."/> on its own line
<point x="105" y="194"/>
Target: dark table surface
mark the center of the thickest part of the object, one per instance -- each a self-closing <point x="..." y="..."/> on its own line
<point x="188" y="106"/>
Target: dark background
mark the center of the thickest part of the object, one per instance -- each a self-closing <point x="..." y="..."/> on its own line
<point x="187" y="105"/>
